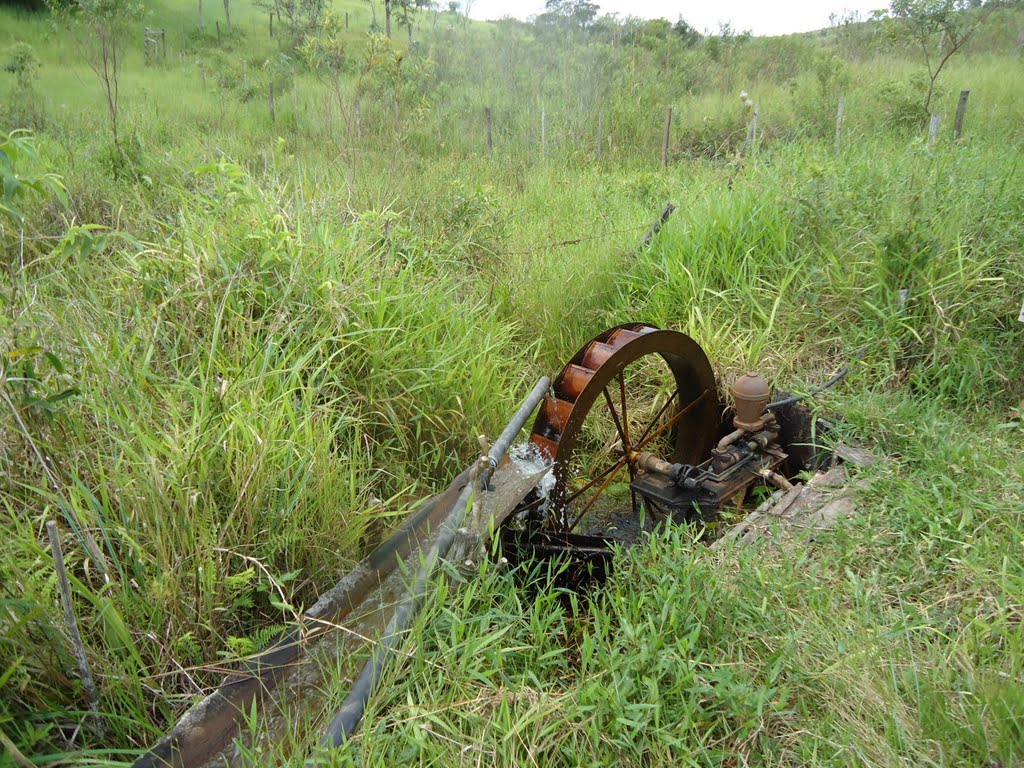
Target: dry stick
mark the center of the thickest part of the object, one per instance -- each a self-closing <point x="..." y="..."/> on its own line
<point x="839" y="122"/>
<point x="15" y="753"/>
<point x="961" y="108"/>
<point x="600" y="132"/>
<point x="90" y="543"/>
<point x="490" y="144"/>
<point x="72" y="626"/>
<point x="665" y="137"/>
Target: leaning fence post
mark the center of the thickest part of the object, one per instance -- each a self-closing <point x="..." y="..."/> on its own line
<point x="839" y="123"/>
<point x="665" y="137"/>
<point x="64" y="587"/>
<point x="961" y="109"/>
<point x="490" y="143"/>
<point x="656" y="226"/>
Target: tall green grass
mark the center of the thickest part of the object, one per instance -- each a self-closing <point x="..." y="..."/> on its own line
<point x="273" y="342"/>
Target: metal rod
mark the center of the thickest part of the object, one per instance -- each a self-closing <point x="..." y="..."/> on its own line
<point x="347" y="719"/>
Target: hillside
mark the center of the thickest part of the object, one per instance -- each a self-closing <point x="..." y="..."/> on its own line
<point x="242" y="334"/>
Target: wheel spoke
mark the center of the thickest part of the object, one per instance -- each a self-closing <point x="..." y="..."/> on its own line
<point x="590" y="484"/>
<point x="623" y="435"/>
<point x="661" y="413"/>
<point x="625" y="416"/>
<point x="600" y="490"/>
<point x="671" y="422"/>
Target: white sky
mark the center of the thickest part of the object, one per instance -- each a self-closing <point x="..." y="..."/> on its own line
<point x="762" y="17"/>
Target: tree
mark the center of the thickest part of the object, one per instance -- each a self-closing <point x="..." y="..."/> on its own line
<point x="570" y="14"/>
<point x="686" y="33"/>
<point x="940" y="28"/>
<point x="408" y="9"/>
<point x="303" y="16"/>
<point x="102" y="27"/>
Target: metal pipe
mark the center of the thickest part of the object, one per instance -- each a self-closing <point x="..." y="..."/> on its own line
<point x="347" y="719"/>
<point x="731" y="438"/>
<point x="779" y="481"/>
<point x="518" y="421"/>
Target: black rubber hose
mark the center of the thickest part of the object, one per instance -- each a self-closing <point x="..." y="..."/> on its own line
<point x="831" y="382"/>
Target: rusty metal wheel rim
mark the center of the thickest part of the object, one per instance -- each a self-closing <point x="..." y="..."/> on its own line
<point x="594" y="378"/>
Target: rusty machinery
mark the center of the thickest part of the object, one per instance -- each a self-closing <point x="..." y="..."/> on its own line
<point x="638" y="434"/>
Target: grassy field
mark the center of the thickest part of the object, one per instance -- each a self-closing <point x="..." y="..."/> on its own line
<point x="246" y="342"/>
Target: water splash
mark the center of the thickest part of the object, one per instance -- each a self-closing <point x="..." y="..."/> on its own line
<point x="528" y="457"/>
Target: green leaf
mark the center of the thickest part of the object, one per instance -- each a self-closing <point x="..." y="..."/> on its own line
<point x="58" y="366"/>
<point x="70" y="392"/>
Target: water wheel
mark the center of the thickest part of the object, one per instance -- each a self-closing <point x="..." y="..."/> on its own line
<point x="633" y="388"/>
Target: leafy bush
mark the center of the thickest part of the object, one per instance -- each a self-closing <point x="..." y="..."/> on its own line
<point x="901" y="102"/>
<point x="24" y="104"/>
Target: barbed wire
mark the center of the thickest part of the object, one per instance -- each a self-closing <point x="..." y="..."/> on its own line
<point x="574" y="241"/>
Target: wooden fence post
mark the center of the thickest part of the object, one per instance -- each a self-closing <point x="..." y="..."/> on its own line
<point x="961" y="109"/>
<point x="218" y="33"/>
<point x="346" y="19"/>
<point x="751" y="133"/>
<point x="543" y="134"/>
<point x="665" y="137"/>
<point x="839" y="123"/>
<point x="490" y="144"/>
<point x="656" y="226"/>
<point x="600" y="132"/>
<point x="271" y="23"/>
